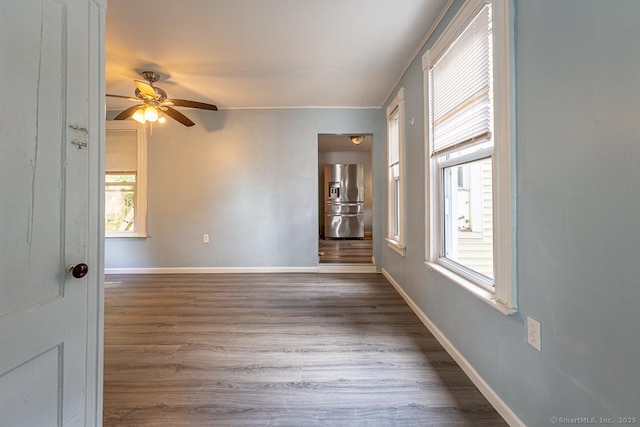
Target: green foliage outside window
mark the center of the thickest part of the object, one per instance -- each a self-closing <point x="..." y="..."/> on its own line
<point x="120" y="202"/>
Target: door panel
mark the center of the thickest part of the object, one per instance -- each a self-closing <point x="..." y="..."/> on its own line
<point x="35" y="69"/>
<point x="38" y="379"/>
<point x="44" y="211"/>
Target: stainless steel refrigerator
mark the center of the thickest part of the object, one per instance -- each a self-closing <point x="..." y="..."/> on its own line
<point x="344" y="201"/>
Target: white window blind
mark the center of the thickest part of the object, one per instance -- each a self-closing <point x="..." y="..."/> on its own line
<point x="460" y="86"/>
<point x="121" y="151"/>
<point x="394" y="138"/>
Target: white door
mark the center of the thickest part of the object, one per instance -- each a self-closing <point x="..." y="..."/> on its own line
<point x="50" y="127"/>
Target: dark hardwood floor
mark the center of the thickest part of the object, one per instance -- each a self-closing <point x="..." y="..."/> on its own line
<point x="276" y="350"/>
<point x="345" y="251"/>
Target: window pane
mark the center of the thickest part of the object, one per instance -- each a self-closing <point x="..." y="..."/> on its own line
<point x="394" y="138"/>
<point x="119" y="202"/>
<point x="396" y="222"/>
<point x="468" y="216"/>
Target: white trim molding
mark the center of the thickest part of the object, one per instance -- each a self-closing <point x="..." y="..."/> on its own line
<point x="494" y="399"/>
<point x="94" y="384"/>
<point x="396" y="242"/>
<point x="209" y="270"/>
<point x="505" y="156"/>
<point x="396" y="246"/>
<point x="328" y="268"/>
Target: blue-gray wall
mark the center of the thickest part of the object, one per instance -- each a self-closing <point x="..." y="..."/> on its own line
<point x="578" y="195"/>
<point x="249" y="179"/>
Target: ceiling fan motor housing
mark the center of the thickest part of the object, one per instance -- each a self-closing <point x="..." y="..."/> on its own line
<point x="161" y="95"/>
<point x="151" y="76"/>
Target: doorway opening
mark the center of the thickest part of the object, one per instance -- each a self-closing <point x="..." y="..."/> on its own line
<point x="345" y="199"/>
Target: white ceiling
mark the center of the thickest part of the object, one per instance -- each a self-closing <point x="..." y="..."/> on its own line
<point x="266" y="53"/>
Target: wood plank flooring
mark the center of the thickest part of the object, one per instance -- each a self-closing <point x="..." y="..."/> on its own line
<point x="276" y="350"/>
<point x="345" y="251"/>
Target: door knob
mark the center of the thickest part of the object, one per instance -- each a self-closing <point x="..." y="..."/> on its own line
<point x="78" y="271"/>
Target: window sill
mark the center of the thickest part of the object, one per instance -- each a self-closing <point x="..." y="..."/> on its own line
<point x="479" y="292"/>
<point x="396" y="246"/>
<point x="125" y="236"/>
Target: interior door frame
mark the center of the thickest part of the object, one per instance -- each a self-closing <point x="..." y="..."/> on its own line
<point x="345" y="268"/>
<point x="95" y="220"/>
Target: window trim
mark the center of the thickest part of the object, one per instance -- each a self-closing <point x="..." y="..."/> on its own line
<point x="397" y="243"/>
<point x="141" y="179"/>
<point x="504" y="296"/>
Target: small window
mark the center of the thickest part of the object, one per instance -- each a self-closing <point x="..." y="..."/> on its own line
<point x="125" y="198"/>
<point x="467" y="81"/>
<point x="395" y="138"/>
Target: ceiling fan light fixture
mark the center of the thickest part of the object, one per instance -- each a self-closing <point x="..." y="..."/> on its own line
<point x="153" y="102"/>
<point x="138" y="116"/>
<point x="357" y="139"/>
<point x="150" y="114"/>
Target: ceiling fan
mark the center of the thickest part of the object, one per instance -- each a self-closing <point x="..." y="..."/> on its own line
<point x="154" y="104"/>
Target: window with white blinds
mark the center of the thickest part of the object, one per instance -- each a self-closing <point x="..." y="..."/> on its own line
<point x="468" y="145"/>
<point x="395" y="132"/>
<point x="121" y="151"/>
<point x="125" y="197"/>
<point x="460" y="87"/>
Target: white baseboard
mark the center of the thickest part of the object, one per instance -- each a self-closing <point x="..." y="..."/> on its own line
<point x="210" y="270"/>
<point x="326" y="268"/>
<point x="503" y="409"/>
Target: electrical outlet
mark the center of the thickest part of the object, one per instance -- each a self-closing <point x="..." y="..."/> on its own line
<point x="533" y="333"/>
<point x="205" y="238"/>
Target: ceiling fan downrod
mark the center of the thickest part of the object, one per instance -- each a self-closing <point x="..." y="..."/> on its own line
<point x="151" y="76"/>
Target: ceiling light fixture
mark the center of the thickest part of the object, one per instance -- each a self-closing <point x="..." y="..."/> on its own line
<point x="150" y="114"/>
<point x="152" y="102"/>
<point x="138" y="116"/>
<point x="357" y="139"/>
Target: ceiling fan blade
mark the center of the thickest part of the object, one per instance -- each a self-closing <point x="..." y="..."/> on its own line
<point x="177" y="115"/>
<point x="193" y="104"/>
<point x="127" y="113"/>
<point x="124" y="97"/>
<point x="146" y="89"/>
